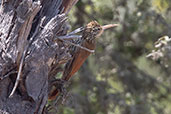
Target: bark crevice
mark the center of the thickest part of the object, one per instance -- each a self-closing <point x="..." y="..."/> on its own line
<point x="32" y="26"/>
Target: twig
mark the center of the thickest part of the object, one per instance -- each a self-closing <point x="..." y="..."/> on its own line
<point x="91" y="51"/>
<point x="72" y="36"/>
<point x="12" y="72"/>
<point x="22" y="61"/>
<point x="18" y="75"/>
<point x="69" y="37"/>
<point x="76" y="31"/>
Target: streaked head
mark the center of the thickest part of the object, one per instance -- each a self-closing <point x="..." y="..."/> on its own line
<point x="94" y="29"/>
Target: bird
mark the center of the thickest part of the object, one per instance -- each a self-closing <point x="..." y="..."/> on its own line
<point x="91" y="32"/>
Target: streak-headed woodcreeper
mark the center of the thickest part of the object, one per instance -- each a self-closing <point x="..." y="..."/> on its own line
<point x="88" y="40"/>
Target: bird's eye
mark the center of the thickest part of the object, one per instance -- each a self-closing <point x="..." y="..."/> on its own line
<point x="97" y="29"/>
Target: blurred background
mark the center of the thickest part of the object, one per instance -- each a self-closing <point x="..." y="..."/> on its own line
<point x="118" y="78"/>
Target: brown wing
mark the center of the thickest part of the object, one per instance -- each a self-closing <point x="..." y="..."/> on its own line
<point x="74" y="65"/>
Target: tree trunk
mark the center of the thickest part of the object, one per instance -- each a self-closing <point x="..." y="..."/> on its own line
<point x="27" y="33"/>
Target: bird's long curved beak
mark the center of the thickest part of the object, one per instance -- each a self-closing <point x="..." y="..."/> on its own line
<point x="109" y="26"/>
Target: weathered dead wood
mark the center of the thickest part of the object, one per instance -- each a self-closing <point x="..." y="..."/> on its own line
<point x="30" y="27"/>
<point x="67" y="4"/>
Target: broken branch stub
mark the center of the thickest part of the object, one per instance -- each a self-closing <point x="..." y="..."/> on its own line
<point x="17" y="18"/>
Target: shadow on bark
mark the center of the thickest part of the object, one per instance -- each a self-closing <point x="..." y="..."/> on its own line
<point x="27" y="33"/>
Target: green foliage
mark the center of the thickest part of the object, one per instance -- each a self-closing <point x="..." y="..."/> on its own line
<point x="161" y="6"/>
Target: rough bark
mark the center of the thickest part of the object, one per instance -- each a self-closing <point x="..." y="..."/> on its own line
<point x="30" y="27"/>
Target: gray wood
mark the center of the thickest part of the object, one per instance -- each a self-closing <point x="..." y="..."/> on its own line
<point x="32" y="26"/>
